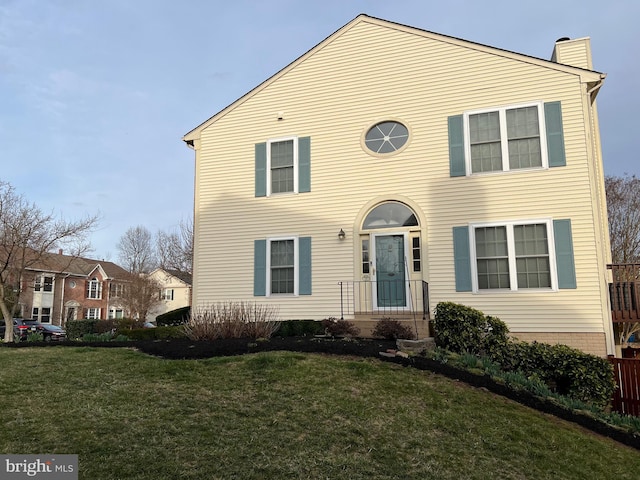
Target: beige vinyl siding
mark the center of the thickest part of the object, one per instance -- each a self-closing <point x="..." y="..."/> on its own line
<point x="367" y="74"/>
<point x="576" y="53"/>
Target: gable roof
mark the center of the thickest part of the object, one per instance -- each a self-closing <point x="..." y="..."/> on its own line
<point x="184" y="277"/>
<point x="588" y="76"/>
<point x="79" y="266"/>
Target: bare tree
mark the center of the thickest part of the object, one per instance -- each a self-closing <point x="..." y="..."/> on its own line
<point x="623" y="204"/>
<point x="141" y="294"/>
<point x="136" y="252"/>
<point x="27" y="236"/>
<point x="175" y="249"/>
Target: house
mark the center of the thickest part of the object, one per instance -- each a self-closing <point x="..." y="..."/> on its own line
<point x="175" y="292"/>
<point x="390" y="168"/>
<point x="60" y="287"/>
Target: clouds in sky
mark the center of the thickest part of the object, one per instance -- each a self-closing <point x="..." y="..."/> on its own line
<point x="95" y="96"/>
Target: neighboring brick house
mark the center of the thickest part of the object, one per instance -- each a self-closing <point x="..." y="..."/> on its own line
<point x="62" y="287"/>
<point x="175" y="292"/>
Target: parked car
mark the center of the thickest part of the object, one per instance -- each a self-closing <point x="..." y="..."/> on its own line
<point x="27" y="326"/>
<point x="22" y="328"/>
<point x="53" y="333"/>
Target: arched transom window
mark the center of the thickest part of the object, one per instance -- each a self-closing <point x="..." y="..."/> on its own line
<point x="390" y="215"/>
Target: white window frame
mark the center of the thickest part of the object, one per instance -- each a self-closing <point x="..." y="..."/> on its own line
<point x="296" y="267"/>
<point x="113" y="312"/>
<point x="513" y="273"/>
<point x="92" y="312"/>
<point x="98" y="289"/>
<point x="295" y="164"/>
<point x="40" y="283"/>
<point x="166" y="294"/>
<point x="504" y="140"/>
<point x="117" y="290"/>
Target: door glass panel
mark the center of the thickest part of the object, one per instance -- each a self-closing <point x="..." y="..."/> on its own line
<point x="390" y="285"/>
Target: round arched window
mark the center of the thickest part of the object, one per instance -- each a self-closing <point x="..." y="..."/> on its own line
<point x="386" y="137"/>
<point x="390" y="215"/>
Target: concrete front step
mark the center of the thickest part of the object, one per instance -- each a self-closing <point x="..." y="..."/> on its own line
<point x="367" y="323"/>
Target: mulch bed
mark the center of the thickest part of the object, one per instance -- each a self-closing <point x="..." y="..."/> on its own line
<point x="189" y="349"/>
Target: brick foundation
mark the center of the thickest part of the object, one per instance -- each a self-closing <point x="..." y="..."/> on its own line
<point x="593" y="343"/>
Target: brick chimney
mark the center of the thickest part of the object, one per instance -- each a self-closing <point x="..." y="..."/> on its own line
<point x="59" y="251"/>
<point x="576" y="53"/>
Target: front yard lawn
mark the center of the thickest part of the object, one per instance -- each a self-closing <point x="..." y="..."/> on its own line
<point x="281" y="415"/>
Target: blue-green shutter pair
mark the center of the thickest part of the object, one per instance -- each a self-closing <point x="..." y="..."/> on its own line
<point x="553" y="128"/>
<point x="260" y="267"/>
<point x="564" y="256"/>
<point x="304" y="167"/>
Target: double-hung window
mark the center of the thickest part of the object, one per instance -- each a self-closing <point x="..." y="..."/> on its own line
<point x="166" y="294"/>
<point x="93" y="313"/>
<point x="43" y="283"/>
<point x="283" y="165"/>
<point x="507" y="138"/>
<point x="513" y="256"/>
<point x="511" y="138"/>
<point x="116" y="290"/>
<point x="282" y="161"/>
<point x="94" y="288"/>
<point x="282" y="266"/>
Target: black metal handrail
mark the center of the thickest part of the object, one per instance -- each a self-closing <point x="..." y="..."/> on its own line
<point x="385" y="297"/>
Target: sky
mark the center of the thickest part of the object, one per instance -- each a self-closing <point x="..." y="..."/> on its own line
<point x="95" y="96"/>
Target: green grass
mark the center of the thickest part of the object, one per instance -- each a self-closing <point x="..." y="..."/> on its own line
<point x="280" y="416"/>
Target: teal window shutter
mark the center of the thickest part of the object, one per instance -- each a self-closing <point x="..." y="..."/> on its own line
<point x="555" y="135"/>
<point x="457" y="166"/>
<point x="564" y="254"/>
<point x="261" y="169"/>
<point x="304" y="164"/>
<point x="259" y="268"/>
<point x="304" y="252"/>
<point x="462" y="259"/>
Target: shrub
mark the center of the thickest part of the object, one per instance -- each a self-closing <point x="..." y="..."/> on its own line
<point x="340" y="328"/>
<point x="76" y="329"/>
<point x="158" y="333"/>
<point x="79" y="328"/>
<point x="463" y="329"/>
<point x="122" y="324"/>
<point x="179" y="316"/>
<point x="390" y="329"/>
<point x="299" y="328"/>
<point x="232" y="320"/>
<point x="565" y="370"/>
<point x="35" y="337"/>
<point x="97" y="337"/>
<point x="104" y="326"/>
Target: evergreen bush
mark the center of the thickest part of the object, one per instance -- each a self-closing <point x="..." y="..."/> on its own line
<point x="565" y="370"/>
<point x="158" y="333"/>
<point x="76" y="329"/>
<point x="299" y="328"/>
<point x="463" y="329"/>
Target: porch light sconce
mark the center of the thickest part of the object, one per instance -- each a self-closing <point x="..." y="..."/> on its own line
<point x="341" y="235"/>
